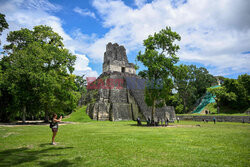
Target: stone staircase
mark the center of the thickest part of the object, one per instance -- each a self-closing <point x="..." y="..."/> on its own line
<point x="136" y="87"/>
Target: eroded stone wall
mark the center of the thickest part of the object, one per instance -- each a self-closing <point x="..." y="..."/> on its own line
<point x="115" y="59"/>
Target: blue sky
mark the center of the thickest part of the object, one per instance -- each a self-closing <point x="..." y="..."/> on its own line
<point x="215" y="34"/>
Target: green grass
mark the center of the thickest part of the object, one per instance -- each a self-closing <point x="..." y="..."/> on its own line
<point x="78" y="116"/>
<point x="124" y="144"/>
<point x="212" y="107"/>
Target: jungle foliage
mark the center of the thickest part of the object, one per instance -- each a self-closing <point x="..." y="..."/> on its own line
<point x="36" y="76"/>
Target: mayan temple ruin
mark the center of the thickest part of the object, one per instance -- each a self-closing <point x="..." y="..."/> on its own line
<point x="121" y="96"/>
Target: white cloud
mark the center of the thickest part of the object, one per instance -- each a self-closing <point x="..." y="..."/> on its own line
<point x="84" y="12"/>
<point x="82" y="67"/>
<point x="140" y="3"/>
<point x="29" y="13"/>
<point x="38" y="5"/>
<point x="214" y="33"/>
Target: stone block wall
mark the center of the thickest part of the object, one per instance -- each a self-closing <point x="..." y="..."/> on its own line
<point x="121" y="111"/>
<point x="218" y="118"/>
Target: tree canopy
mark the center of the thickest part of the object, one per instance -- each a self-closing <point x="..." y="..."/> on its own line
<point x="221" y="93"/>
<point x="240" y="87"/>
<point x="191" y="83"/>
<point x="159" y="58"/>
<point x="37" y="72"/>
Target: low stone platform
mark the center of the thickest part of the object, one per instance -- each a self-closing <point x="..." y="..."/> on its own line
<point x="219" y="118"/>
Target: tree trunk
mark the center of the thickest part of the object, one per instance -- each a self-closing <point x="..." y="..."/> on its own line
<point x="184" y="104"/>
<point x="218" y="106"/>
<point x="153" y="112"/>
<point x="24" y="114"/>
<point x="80" y="102"/>
<point x="46" y="118"/>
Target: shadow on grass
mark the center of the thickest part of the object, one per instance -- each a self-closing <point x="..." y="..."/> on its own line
<point x="151" y="126"/>
<point x="143" y="125"/>
<point x="44" y="144"/>
<point x="53" y="164"/>
<point x="12" y="157"/>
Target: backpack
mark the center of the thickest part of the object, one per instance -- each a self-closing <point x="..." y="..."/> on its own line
<point x="51" y="124"/>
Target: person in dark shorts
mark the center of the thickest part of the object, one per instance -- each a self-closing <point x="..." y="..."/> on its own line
<point x="55" y="127"/>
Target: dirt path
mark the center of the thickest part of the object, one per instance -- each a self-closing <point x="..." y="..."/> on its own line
<point x="31" y="123"/>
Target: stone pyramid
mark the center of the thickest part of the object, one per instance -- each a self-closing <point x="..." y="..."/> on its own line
<point x="120" y="92"/>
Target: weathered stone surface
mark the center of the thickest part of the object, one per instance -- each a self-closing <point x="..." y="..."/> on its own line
<point x="121" y="111"/>
<point x="115" y="52"/>
<point x="135" y="108"/>
<point x="99" y="111"/>
<point x="115" y="59"/>
<point x="125" y="101"/>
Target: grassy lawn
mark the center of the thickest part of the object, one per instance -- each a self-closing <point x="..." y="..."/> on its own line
<point x="123" y="144"/>
<point x="78" y="116"/>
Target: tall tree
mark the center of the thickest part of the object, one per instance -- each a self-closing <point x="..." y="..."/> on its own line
<point x="3" y="25"/>
<point x="6" y="99"/>
<point x="245" y="81"/>
<point x="38" y="69"/>
<point x="159" y="58"/>
<point x="221" y="93"/>
<point x="183" y="80"/>
<point x="191" y="83"/>
<point x="81" y="88"/>
<point x="21" y="78"/>
<point x="240" y="87"/>
<point x="202" y="80"/>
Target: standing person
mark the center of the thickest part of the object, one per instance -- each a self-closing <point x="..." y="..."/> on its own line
<point x="55" y="127"/>
<point x="166" y="122"/>
<point x="178" y="119"/>
<point x="148" y="122"/>
<point x="214" y="120"/>
<point x="138" y="121"/>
